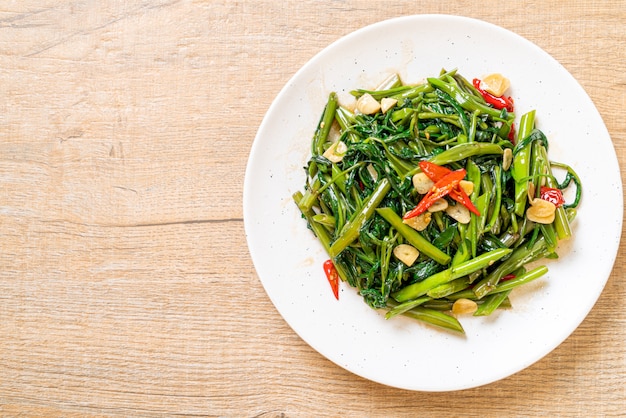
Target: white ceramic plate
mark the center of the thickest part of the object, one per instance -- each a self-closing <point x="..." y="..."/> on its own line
<point x="402" y="352"/>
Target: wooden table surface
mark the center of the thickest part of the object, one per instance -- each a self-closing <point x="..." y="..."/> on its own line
<point x="126" y="286"/>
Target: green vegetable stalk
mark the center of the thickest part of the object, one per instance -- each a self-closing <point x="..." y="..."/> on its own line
<point x="419" y="209"/>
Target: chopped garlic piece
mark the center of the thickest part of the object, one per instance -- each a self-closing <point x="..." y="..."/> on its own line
<point x="459" y="213"/>
<point x="422" y="183"/>
<point x="507" y="158"/>
<point x="336" y="151"/>
<point x="495" y="84"/>
<point x="387" y="103"/>
<point x="406" y="253"/>
<point x="541" y="211"/>
<point x="531" y="191"/>
<point x="439" y="205"/>
<point x="420" y="222"/>
<point x="367" y="104"/>
<point x="467" y="186"/>
<point x="464" y="306"/>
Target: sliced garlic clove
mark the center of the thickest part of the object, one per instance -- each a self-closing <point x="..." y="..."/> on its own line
<point x="495" y="84"/>
<point x="387" y="103"/>
<point x="541" y="211"/>
<point x="420" y="222"/>
<point x="336" y="151"/>
<point x="422" y="183"/>
<point x="439" y="205"/>
<point x="530" y="190"/>
<point x="507" y="158"/>
<point x="467" y="186"/>
<point x="367" y="104"/>
<point x="459" y="213"/>
<point x="464" y="306"/>
<point x="406" y="253"/>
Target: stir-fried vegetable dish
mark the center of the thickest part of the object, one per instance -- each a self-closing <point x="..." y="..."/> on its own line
<point x="430" y="202"/>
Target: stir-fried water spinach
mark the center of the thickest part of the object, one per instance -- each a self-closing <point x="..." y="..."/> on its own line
<point x="429" y="202"/>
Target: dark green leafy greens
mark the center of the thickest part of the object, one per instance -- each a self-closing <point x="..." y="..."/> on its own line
<point x="354" y="199"/>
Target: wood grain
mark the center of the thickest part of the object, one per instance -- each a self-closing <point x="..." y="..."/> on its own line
<point x="126" y="287"/>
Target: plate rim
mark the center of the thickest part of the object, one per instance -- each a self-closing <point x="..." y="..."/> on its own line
<point x="356" y="33"/>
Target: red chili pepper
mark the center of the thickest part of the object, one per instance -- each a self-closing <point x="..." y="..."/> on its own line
<point x="507" y="277"/>
<point x="433" y="171"/>
<point x="460" y="196"/>
<point x="436" y="172"/>
<point x="441" y="188"/>
<point x="512" y="134"/>
<point x="552" y="195"/>
<point x="332" y="276"/>
<point x="497" y="102"/>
